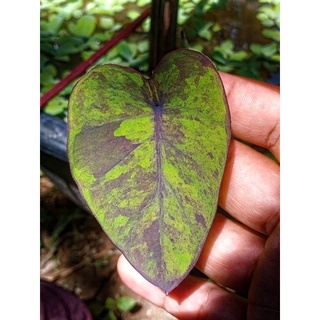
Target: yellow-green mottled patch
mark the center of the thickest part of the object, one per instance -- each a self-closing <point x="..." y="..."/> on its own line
<point x="120" y="221"/>
<point x="136" y="130"/>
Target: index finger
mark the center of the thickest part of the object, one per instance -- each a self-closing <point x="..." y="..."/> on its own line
<point x="255" y="112"/>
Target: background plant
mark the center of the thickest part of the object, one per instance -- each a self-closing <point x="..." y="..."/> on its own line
<point x="112" y="308"/>
<point x="241" y="37"/>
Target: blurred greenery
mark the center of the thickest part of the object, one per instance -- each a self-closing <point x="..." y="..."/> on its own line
<point x="240" y="36"/>
<point x="112" y="308"/>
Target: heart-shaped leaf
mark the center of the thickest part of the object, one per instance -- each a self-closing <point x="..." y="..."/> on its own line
<point x="148" y="156"/>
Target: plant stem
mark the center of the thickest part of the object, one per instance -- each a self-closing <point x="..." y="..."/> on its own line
<point x="163" y="30"/>
<point x="83" y="66"/>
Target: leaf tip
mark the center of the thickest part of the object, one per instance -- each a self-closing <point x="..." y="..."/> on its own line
<point x="167" y="288"/>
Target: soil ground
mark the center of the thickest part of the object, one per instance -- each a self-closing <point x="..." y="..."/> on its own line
<point x="76" y="254"/>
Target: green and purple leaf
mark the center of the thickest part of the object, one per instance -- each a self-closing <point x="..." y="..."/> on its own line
<point x="148" y="156"/>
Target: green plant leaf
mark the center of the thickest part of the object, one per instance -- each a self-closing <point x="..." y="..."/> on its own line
<point x="84" y="27"/>
<point x="110" y="316"/>
<point x="106" y="22"/>
<point x="239" y="55"/>
<point x="133" y="14"/>
<point x="53" y="24"/>
<point x="271" y="34"/>
<point x="148" y="156"/>
<point x="110" y="303"/>
<point x="125" y="303"/>
<point x="124" y="50"/>
<point x="56" y="106"/>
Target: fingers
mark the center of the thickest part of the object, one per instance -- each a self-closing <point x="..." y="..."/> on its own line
<point x="265" y="304"/>
<point x="230" y="254"/>
<point x="255" y="112"/>
<point x="194" y="298"/>
<point x="250" y="189"/>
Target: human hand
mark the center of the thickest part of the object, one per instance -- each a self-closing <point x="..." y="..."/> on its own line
<point x="241" y="252"/>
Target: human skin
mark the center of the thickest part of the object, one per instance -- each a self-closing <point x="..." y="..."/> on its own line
<point x="242" y="251"/>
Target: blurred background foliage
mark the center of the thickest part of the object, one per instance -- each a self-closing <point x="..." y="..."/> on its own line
<point x="240" y="36"/>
